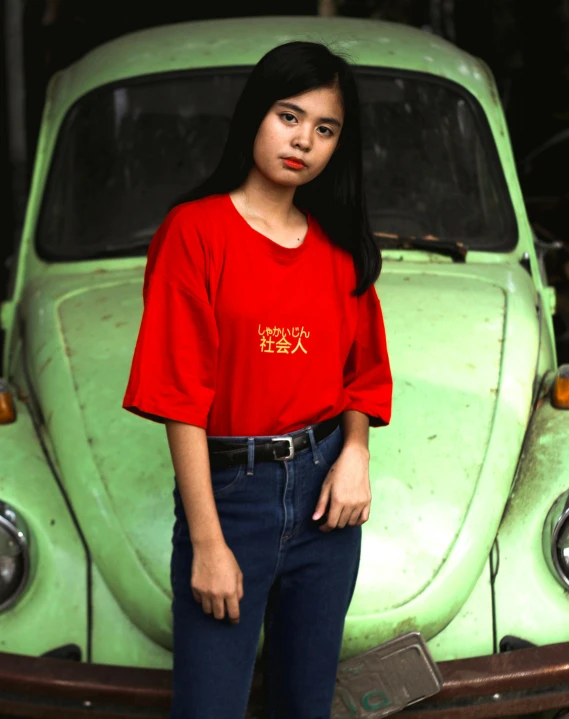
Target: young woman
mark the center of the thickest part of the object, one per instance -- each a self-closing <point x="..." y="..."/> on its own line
<point x="262" y="349"/>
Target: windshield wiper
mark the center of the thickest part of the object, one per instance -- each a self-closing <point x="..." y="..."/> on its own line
<point x="450" y="248"/>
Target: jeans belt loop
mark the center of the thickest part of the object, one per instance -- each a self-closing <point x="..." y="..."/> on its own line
<point x="313" y="444"/>
<point x="250" y="455"/>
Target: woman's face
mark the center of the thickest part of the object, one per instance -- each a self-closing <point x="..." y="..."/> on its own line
<point x="305" y="127"/>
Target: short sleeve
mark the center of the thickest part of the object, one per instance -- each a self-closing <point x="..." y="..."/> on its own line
<point x="367" y="373"/>
<point x="173" y="369"/>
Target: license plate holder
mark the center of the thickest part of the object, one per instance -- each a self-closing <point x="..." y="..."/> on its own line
<point x="386" y="679"/>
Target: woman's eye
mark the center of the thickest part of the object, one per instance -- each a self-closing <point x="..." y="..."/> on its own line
<point x="288" y="117"/>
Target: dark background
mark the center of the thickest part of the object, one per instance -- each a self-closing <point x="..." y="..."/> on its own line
<point x="525" y="44"/>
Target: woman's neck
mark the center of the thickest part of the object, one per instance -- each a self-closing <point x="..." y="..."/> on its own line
<point x="263" y="199"/>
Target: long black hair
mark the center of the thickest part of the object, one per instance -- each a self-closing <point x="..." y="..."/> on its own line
<point x="335" y="197"/>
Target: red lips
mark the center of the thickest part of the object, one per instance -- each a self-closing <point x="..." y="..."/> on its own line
<point x="294" y="163"/>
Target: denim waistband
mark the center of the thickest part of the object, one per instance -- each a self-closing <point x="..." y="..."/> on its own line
<point x="251" y="442"/>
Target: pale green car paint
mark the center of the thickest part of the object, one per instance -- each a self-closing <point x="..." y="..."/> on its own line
<point x="466" y="347"/>
<point x="53" y="610"/>
<point x="529" y="600"/>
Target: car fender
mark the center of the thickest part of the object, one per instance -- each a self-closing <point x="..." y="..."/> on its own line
<point x="52" y="610"/>
<point x="530" y="602"/>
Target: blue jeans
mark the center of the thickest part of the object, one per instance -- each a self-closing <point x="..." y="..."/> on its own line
<point x="298" y="583"/>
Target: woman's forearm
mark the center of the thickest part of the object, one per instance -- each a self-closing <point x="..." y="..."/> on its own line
<point x="188" y="448"/>
<point x="355" y="426"/>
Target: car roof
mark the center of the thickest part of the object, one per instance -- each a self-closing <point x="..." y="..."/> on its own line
<point x="243" y="41"/>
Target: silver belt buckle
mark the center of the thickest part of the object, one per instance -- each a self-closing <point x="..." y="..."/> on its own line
<point x="290" y="447"/>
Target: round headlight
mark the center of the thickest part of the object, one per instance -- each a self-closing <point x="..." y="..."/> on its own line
<point x="14" y="556"/>
<point x="556" y="539"/>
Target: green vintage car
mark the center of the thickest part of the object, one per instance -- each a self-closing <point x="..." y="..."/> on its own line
<point x="468" y="539"/>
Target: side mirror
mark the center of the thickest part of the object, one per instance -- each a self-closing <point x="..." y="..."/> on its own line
<point x="545" y="241"/>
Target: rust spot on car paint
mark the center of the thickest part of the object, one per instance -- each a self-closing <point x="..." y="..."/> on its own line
<point x="44" y="365"/>
<point x="68" y="351"/>
<point x="99" y="271"/>
<point x="539" y="455"/>
<point x="120" y="324"/>
<point x="407" y="625"/>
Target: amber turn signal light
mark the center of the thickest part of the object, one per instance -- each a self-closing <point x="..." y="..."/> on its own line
<point x="560" y="389"/>
<point x="7" y="412"/>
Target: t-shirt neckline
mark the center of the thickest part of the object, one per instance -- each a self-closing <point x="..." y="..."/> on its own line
<point x="288" y="254"/>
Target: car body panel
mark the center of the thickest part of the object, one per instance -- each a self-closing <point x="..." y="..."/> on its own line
<point x="539" y="615"/>
<point x="115" y="638"/>
<point x="52" y="611"/>
<point x="48" y="363"/>
<point x="80" y="334"/>
<point x="451" y="585"/>
<point x="470" y="633"/>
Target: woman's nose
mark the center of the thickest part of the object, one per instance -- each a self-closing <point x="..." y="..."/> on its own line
<point x="302" y="141"/>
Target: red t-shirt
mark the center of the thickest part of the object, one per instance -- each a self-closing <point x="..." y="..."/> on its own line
<point x="244" y="337"/>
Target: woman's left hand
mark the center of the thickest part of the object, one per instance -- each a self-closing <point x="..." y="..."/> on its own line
<point x="346" y="490"/>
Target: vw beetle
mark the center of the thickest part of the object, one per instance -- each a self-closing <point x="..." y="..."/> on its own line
<point x="468" y="538"/>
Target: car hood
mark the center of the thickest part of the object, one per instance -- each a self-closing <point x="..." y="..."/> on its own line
<point x="440" y="473"/>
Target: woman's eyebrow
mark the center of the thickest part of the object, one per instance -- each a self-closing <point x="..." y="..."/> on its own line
<point x="292" y="106"/>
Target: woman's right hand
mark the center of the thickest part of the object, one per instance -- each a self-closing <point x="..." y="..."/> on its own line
<point x="217" y="580"/>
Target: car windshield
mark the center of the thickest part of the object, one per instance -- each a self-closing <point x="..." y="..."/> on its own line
<point x="125" y="153"/>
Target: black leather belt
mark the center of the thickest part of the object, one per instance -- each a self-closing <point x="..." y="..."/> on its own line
<point x="227" y="454"/>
